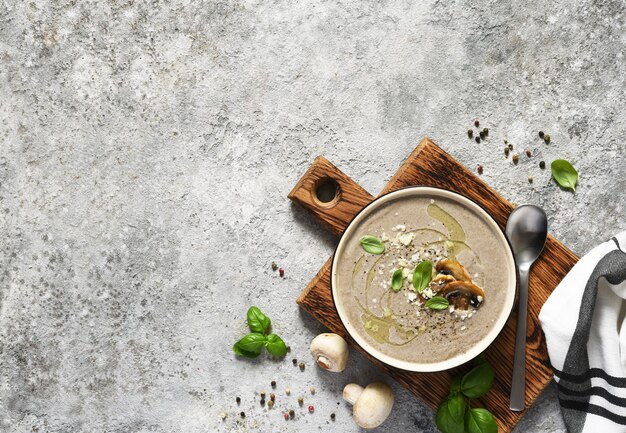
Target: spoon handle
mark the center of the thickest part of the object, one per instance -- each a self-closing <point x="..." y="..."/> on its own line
<point x="518" y="386"/>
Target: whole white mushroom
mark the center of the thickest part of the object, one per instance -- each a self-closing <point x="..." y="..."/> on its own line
<point x="371" y="405"/>
<point x="330" y="351"/>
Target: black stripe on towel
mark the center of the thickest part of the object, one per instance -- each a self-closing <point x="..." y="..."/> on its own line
<point x="597" y="391"/>
<point x="585" y="407"/>
<point x="619" y="382"/>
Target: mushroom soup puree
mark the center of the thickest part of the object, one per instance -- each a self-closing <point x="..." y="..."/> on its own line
<point x="398" y="323"/>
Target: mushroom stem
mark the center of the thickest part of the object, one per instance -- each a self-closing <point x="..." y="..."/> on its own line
<point x="352" y="392"/>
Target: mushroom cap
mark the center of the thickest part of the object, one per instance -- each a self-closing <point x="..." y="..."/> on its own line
<point x="373" y="405"/>
<point x="465" y="290"/>
<point x="330" y="351"/>
<point x="454" y="268"/>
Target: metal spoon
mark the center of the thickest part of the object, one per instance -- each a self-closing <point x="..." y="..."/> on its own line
<point x="527" y="230"/>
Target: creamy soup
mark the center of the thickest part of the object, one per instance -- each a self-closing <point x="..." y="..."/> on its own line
<point x="397" y="321"/>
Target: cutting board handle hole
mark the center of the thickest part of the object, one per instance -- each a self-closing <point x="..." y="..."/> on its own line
<point x="326" y="192"/>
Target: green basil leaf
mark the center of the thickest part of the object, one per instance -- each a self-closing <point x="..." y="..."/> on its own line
<point x="275" y="345"/>
<point x="372" y="244"/>
<point x="250" y="346"/>
<point x="479" y="420"/>
<point x="422" y="275"/>
<point x="257" y="321"/>
<point x="449" y="417"/>
<point x="477" y="381"/>
<point x="455" y="386"/>
<point x="437" y="303"/>
<point x="564" y="173"/>
<point x="396" y="280"/>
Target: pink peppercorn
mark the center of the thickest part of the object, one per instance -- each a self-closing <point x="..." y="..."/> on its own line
<point x="281" y="272"/>
<point x="311" y="408"/>
<point x="286" y="416"/>
<point x="480" y="169"/>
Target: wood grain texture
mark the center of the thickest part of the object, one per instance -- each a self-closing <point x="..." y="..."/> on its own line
<point x="429" y="165"/>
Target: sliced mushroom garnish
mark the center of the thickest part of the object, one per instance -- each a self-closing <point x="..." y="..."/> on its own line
<point x="454" y="268"/>
<point x="462" y="293"/>
<point x="441" y="280"/>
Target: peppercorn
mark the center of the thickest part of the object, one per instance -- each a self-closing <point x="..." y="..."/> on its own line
<point x="482" y="135"/>
<point x="486" y="131"/>
<point x="530" y="179"/>
<point x="506" y="151"/>
<point x="288" y="391"/>
<point x="515" y="158"/>
<point x="312" y="390"/>
<point x="311" y="408"/>
<point x="479" y="169"/>
<point x="281" y="272"/>
<point x="541" y="134"/>
<point x="510" y="146"/>
<point x="476" y="123"/>
<point x="270" y="404"/>
<point x="332" y="416"/>
<point x="546" y="138"/>
<point x="528" y="153"/>
<point x="301" y="366"/>
<point x="286" y="416"/>
<point x="542" y="164"/>
<point x="243" y="414"/>
<point x="273" y="383"/>
<point x="470" y="133"/>
<point x="292" y="413"/>
<point x="238" y="400"/>
<point x="272" y="396"/>
<point x="300" y="400"/>
<point x="477" y="139"/>
<point x="262" y="402"/>
<point x="274" y="266"/>
<point x="506" y="142"/>
<point x="294" y="361"/>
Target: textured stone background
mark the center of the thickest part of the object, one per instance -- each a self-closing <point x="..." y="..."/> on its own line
<point x="147" y="149"/>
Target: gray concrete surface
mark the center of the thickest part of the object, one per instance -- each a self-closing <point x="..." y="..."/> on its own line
<point x="147" y="148"/>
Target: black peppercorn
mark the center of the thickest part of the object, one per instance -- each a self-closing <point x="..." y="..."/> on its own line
<point x="542" y="164"/>
<point x="273" y="383"/>
<point x="470" y="133"/>
<point x="294" y="361"/>
<point x="510" y="146"/>
<point x="262" y="401"/>
<point x="238" y="400"/>
<point x="332" y="416"/>
<point x="486" y="131"/>
<point x="243" y="414"/>
<point x="477" y="139"/>
<point x="541" y="134"/>
<point x="292" y="413"/>
<point x="482" y="135"/>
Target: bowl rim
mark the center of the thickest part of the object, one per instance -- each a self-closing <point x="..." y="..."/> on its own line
<point x="499" y="324"/>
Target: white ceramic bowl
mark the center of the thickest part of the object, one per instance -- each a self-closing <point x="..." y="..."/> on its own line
<point x="510" y="288"/>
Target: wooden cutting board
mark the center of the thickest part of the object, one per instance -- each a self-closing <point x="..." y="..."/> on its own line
<point x="429" y="165"/>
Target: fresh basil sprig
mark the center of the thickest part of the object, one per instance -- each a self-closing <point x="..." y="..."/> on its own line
<point x="252" y="344"/>
<point x="372" y="244"/>
<point x="437" y="303"/>
<point x="396" y="280"/>
<point x="454" y="414"/>
<point x="422" y="275"/>
<point x="564" y="173"/>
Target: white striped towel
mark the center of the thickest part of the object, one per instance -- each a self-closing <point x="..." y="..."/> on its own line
<point x="585" y="327"/>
